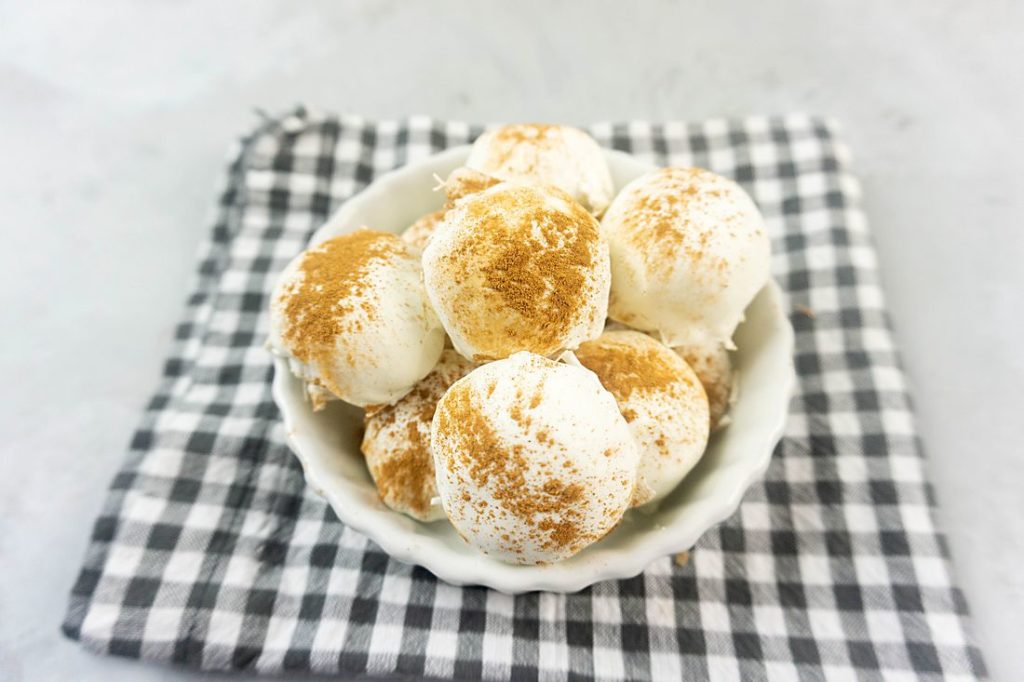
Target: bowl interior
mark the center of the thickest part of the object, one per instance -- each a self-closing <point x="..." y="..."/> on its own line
<point x="327" y="442"/>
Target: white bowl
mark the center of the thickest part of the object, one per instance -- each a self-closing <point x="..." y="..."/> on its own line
<point x="327" y="442"/>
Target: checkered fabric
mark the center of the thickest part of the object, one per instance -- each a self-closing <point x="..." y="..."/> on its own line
<point x="211" y="552"/>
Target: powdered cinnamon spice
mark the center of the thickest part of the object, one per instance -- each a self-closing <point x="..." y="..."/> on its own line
<point x="546" y="504"/>
<point x="658" y="223"/>
<point x="419" y="233"/>
<point x="534" y="263"/>
<point x="323" y="303"/>
<point x="714" y="371"/>
<point x="465" y="181"/>
<point x="625" y="367"/>
<point x="403" y="479"/>
<point x="505" y="141"/>
<point x="397" y="439"/>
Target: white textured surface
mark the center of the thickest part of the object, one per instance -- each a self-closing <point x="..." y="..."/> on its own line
<point x="563" y="156"/>
<point x="670" y="421"/>
<point x="484" y="229"/>
<point x="396" y="442"/>
<point x="113" y="122"/>
<point x="685" y="270"/>
<point x="587" y="446"/>
<point x="389" y="336"/>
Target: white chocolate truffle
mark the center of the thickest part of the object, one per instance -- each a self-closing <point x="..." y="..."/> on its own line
<point x="518" y="268"/>
<point x="713" y="367"/>
<point x="351" y="317"/>
<point x="396" y="442"/>
<point x="556" y="155"/>
<point x="418" y="234"/>
<point x="661" y="399"/>
<point x="689" y="252"/>
<point x="460" y="183"/>
<point x="464" y="181"/>
<point x="534" y="461"/>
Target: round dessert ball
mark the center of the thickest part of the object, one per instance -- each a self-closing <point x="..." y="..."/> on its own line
<point x="418" y="234"/>
<point x="517" y="268"/>
<point x="534" y="461"/>
<point x="351" y="317"/>
<point x="713" y="367"/>
<point x="556" y="155"/>
<point x="396" y="442"/>
<point x="460" y="183"/>
<point x="661" y="399"/>
<point x="464" y="181"/>
<point x="689" y="251"/>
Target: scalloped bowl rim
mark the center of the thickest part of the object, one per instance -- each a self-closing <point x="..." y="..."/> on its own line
<point x="677" y="527"/>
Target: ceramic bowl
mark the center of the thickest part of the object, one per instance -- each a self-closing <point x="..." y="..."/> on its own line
<point x="327" y="442"/>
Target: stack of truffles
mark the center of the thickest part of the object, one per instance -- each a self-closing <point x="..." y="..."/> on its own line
<point x="588" y="339"/>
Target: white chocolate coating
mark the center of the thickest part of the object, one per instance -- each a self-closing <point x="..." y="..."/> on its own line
<point x="396" y="442"/>
<point x="689" y="252"/>
<point x="418" y="234"/>
<point x="662" y="400"/>
<point x="534" y="461"/>
<point x="713" y="367"/>
<point x="377" y="334"/>
<point x="556" y="155"/>
<point x="517" y="267"/>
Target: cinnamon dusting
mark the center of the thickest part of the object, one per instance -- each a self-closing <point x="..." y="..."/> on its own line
<point x="419" y="233"/>
<point x="507" y="139"/>
<point x="550" y="507"/>
<point x="397" y="439"/>
<point x="328" y="300"/>
<point x="405" y="478"/>
<point x="623" y="367"/>
<point x="534" y="261"/>
<point x="658" y="221"/>
<point x="714" y="370"/>
<point x="465" y="181"/>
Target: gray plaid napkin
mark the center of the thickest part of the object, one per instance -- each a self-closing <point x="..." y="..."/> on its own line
<point x="211" y="552"/>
